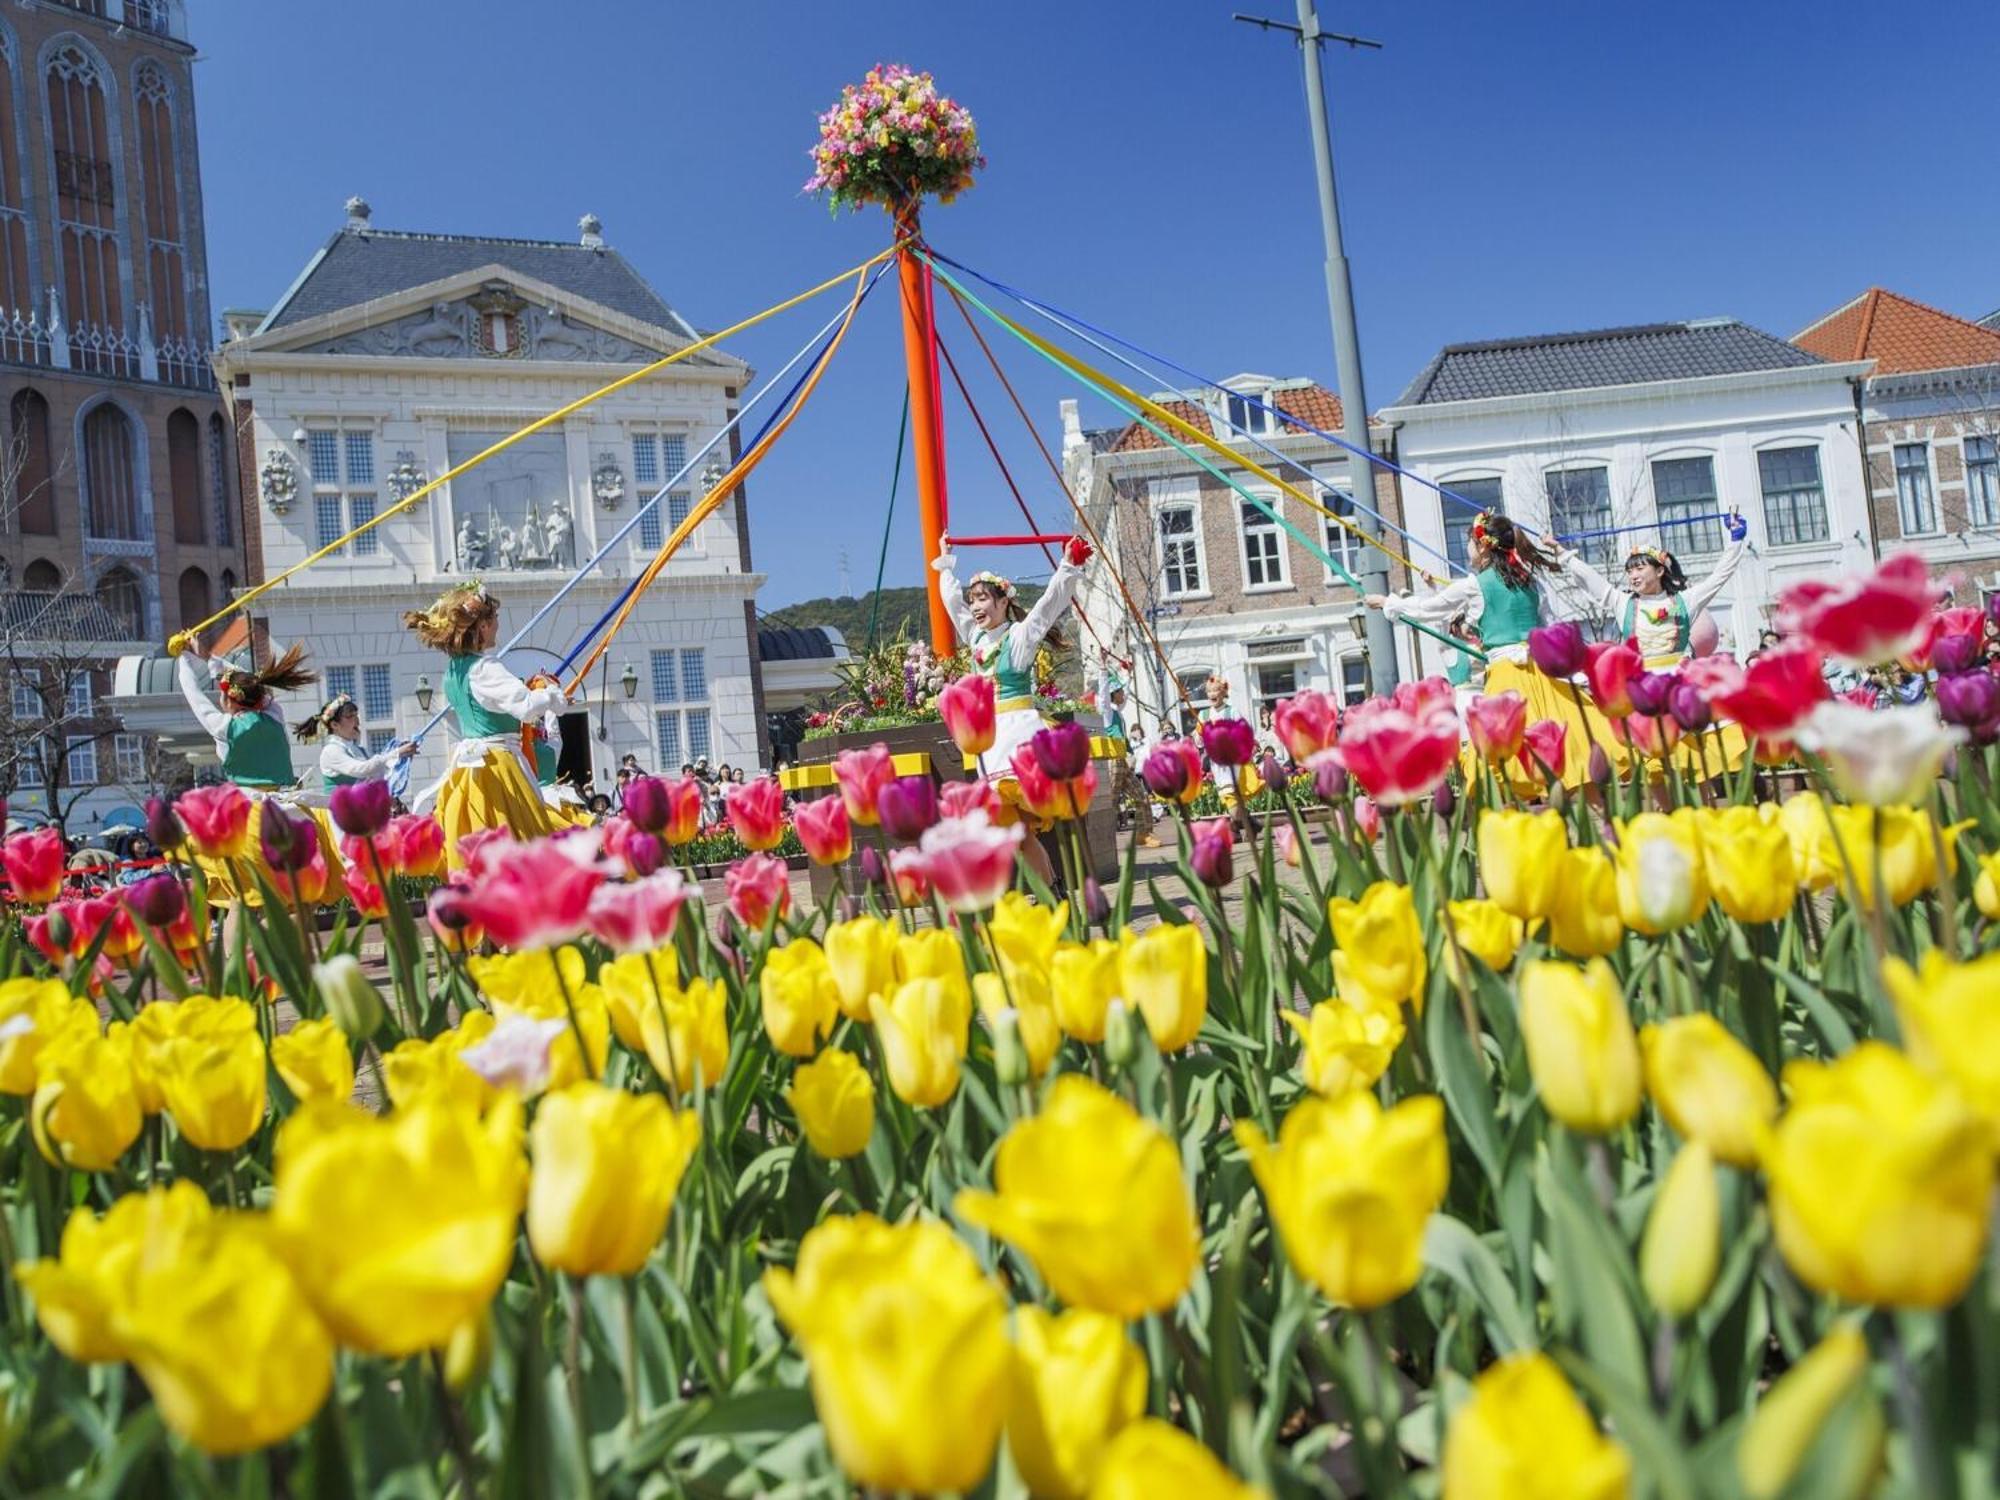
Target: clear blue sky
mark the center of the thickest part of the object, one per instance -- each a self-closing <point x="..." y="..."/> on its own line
<point x="1505" y="169"/>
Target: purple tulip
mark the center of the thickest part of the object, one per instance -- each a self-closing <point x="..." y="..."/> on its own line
<point x="1993" y="608"/>
<point x="1649" y="691"/>
<point x="1557" y="649"/>
<point x="907" y="806"/>
<point x="286" y="838"/>
<point x="1953" y="654"/>
<point x="162" y="827"/>
<point x="1689" y="708"/>
<point x="646" y="803"/>
<point x="1063" y="750"/>
<point x="872" y="873"/>
<point x="1229" y="742"/>
<point x="1444" y="801"/>
<point x="1599" y="766"/>
<point x="1096" y="905"/>
<point x="1211" y="860"/>
<point x="1272" y="772"/>
<point x="361" y="808"/>
<point x="1164" y="773"/>
<point x="158" y="900"/>
<point x="446" y="907"/>
<point x="1329" y="776"/>
<point x="644" y="854"/>
<point x="1971" y="699"/>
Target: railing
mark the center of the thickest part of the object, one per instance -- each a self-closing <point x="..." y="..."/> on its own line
<point x="27" y="338"/>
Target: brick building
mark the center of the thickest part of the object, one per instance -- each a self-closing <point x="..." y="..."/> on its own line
<point x="121" y="517"/>
<point x="1931" y="409"/>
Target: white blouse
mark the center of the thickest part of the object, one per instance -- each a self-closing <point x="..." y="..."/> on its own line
<point x="1656" y="638"/>
<point x="207" y="712"/>
<point x="1024" y="637"/>
<point x="349" y="760"/>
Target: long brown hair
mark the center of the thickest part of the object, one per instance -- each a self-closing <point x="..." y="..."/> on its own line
<point x="1509" y="549"/>
<point x="452" y="624"/>
<point x="322" y="722"/>
<point x="244" y="691"/>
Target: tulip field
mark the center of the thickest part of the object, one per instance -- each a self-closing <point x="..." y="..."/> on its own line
<point x="1449" y="1131"/>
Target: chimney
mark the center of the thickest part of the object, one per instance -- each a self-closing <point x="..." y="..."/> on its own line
<point x="357" y="213"/>
<point x="593" y="232"/>
<point x="1072" y="426"/>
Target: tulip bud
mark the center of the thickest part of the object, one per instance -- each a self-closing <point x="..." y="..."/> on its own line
<point x="1121" y="1041"/>
<point x="1791" y="1414"/>
<point x="469" y="1353"/>
<point x="1270" y="771"/>
<point x="644" y="854"/>
<point x="1062" y="750"/>
<point x="1689" y="708"/>
<point x="361" y="808"/>
<point x="1010" y="1058"/>
<point x="1648" y="692"/>
<point x="1329" y="778"/>
<point x="1444" y="801"/>
<point x="60" y="932"/>
<point x="1211" y="860"/>
<point x="907" y="806"/>
<point x="871" y="867"/>
<point x="1683" y="1242"/>
<point x="1600" y="767"/>
<point x="1096" y="905"/>
<point x="158" y="900"/>
<point x="349" y="998"/>
<point x="163" y="829"/>
<point x="646" y="803"/>
<point x="1164" y="773"/>
<point x="285" y="838"/>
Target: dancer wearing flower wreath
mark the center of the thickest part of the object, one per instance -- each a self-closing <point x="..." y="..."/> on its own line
<point x="492" y="781"/>
<point x="1002" y="637"/>
<point x="343" y="760"/>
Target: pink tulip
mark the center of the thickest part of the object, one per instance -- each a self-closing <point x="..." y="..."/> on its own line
<point x="638" y="916"/>
<point x="1713" y="676"/>
<point x="361" y="808"/>
<point x="1367" y="820"/>
<point x="966" y="706"/>
<point x="1229" y="742"/>
<point x="49" y="933"/>
<point x="1775" y="692"/>
<point x="824" y="830"/>
<point x="446" y="912"/>
<point x="1544" y="745"/>
<point x="1557" y="650"/>
<point x="1652" y="734"/>
<point x="1306" y="723"/>
<point x="957" y="798"/>
<point x="756" y="811"/>
<point x="217" y="819"/>
<point x="536" y="894"/>
<point x="1427" y="695"/>
<point x="913" y="881"/>
<point x="755" y="887"/>
<point x="969" y="861"/>
<point x="1866" y="618"/>
<point x="1287" y="840"/>
<point x="1959" y="621"/>
<point x="34" y="863"/>
<point x="410" y="845"/>
<point x="1496" y="724"/>
<point x="1396" y="756"/>
<point x="645" y="803"/>
<point x="860" y="775"/>
<point x="683" y="809"/>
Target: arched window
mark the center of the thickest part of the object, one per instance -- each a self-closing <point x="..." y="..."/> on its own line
<point x="110" y="475"/>
<point x="228" y="585"/>
<point x="166" y="257"/>
<point x="16" y="290"/>
<point x="86" y="210"/>
<point x="29" y="465"/>
<point x="42" y="577"/>
<point x="218" y="481"/>
<point x="195" y="599"/>
<point x="184" y="474"/>
<point x="119" y="592"/>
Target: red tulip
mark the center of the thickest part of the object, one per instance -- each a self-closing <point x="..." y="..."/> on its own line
<point x="1776" y="692"/>
<point x="966" y="706"/>
<point x="308" y="879"/>
<point x="50" y="932"/>
<point x="412" y="845"/>
<point x="683" y="809"/>
<point x="860" y="774"/>
<point x="1609" y="667"/>
<point x="913" y="881"/>
<point x="958" y="798"/>
<point x="1544" y="744"/>
<point x="365" y="893"/>
<point x="1306" y="723"/>
<point x="756" y="811"/>
<point x="1496" y="723"/>
<point x="536" y="894"/>
<point x="1396" y="756"/>
<point x="1046" y="797"/>
<point x="105" y="914"/>
<point x="638" y="916"/>
<point x="755" y="887"/>
<point x="824" y="830"/>
<point x="1866" y="618"/>
<point x="34" y="862"/>
<point x="970" y="862"/>
<point x="1367" y="820"/>
<point x="217" y="819"/>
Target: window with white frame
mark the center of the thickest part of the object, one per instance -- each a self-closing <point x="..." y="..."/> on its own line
<point x="378" y="706"/>
<point x="1264" y="563"/>
<point x="1982" y="481"/>
<point x="1353" y="680"/>
<point x="1580" y="503"/>
<point x="1341" y="544"/>
<point x="80" y="761"/>
<point x="27" y="695"/>
<point x="76" y="695"/>
<point x="1251" y="414"/>
<point x="28" y="772"/>
<point x="1177" y="538"/>
<point x="1915" y="504"/>
<point x="128" y="754"/>
<point x="681" y="714"/>
<point x="656" y="458"/>
<point x="340" y="683"/>
<point x="1794" y="498"/>
<point x="342" y="461"/>
<point x="1684" y="488"/>
<point x="1485" y="493"/>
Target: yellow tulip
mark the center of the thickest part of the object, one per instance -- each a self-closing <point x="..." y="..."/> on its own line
<point x="1986" y="889"/>
<point x="1683" y="1241"/>
<point x="79" y="1292"/>
<point x="1520" y="859"/>
<point x="862" y="953"/>
<point x="630" y="990"/>
<point x="1524" y="1435"/>
<point x="400" y="1228"/>
<point x="686" y="1035"/>
<point x="922" y="1029"/>
<point x="1165" y="974"/>
<point x="1748" y="856"/>
<point x="516" y="978"/>
<point x="1350" y="1187"/>
<point x="34" y="1013"/>
<point x="152" y="1027"/>
<point x="1381" y="947"/>
<point x="1347" y="1047"/>
<point x="1025" y="992"/>
<point x="1845" y="844"/>
<point x="834" y="1099"/>
<point x="930" y="953"/>
<point x="86" y="1111"/>
<point x="1083" y="980"/>
<point x="1077" y="1379"/>
<point x="1881" y="1180"/>
<point x="214" y="1085"/>
<point x="1814" y="859"/>
<point x="1584" y="921"/>
<point x="1662" y="878"/>
<point x="1092" y="1193"/>
<point x="1951" y="1022"/>
<point x="1580" y="1044"/>
<point x="1487" y="932"/>
<point x="1709" y="1086"/>
<point x="606" y="1167"/>
<point x="415" y="1070"/>
<point x="312" y="1119"/>
<point x="1793" y="1411"/>
<point x="1150" y="1458"/>
<point x="1026" y="934"/>
<point x="314" y="1061"/>
<point x="468" y="1354"/>
<point x="799" y="997"/>
<point x="906" y="1349"/>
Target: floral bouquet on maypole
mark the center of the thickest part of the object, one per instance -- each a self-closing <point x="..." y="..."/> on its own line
<point x="893" y="139"/>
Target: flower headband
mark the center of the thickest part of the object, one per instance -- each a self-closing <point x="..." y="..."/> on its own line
<point x="242" y="688"/>
<point x="1652" y="555"/>
<point x="334" y="707"/>
<point x="994" y="582"/>
<point x="468" y="597"/>
<point x="1482" y="530"/>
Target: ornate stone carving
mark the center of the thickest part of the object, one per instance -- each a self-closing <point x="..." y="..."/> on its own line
<point x="406" y="475"/>
<point x="541" y="541"/>
<point x="494" y="323"/>
<point x="279" y="480"/>
<point x="497" y="322"/>
<point x="607" y="481"/>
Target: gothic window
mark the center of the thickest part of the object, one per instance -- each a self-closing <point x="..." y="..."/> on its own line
<point x="119" y="592"/>
<point x="16" y="291"/>
<point x="110" y="475"/>
<point x="218" y="481"/>
<point x="195" y="598"/>
<point x="166" y="257"/>
<point x="41" y="577"/>
<point x="29" y="464"/>
<point x="86" y="210"/>
<point x="228" y="585"/>
<point x="184" y="475"/>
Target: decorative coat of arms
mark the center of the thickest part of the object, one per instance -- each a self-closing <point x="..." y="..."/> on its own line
<point x="406" y="475"/>
<point x="607" y="482"/>
<point x="279" y="480"/>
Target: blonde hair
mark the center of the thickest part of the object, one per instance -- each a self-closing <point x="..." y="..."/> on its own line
<point x="452" y="624"/>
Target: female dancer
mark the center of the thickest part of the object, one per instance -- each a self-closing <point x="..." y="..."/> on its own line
<point x="344" y="761"/>
<point x="1002" y="638"/>
<point x="491" y="782"/>
<point x="1658" y="607"/>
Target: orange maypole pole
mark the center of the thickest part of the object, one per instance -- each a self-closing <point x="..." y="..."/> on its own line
<point x="926" y="416"/>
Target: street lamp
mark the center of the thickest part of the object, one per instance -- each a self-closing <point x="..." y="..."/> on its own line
<point x="629" y="680"/>
<point x="424" y="691"/>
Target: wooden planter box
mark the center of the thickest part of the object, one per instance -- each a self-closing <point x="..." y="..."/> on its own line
<point x="811" y="778"/>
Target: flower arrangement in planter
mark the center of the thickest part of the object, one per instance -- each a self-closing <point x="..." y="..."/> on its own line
<point x="893" y="139"/>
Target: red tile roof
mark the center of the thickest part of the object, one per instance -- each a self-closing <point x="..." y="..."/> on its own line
<point x="1314" y="405"/>
<point x="1900" y="335"/>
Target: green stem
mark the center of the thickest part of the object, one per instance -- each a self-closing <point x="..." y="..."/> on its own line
<point x="584" y="1060"/>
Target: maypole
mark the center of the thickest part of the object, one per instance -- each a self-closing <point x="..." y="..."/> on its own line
<point x="894" y="140"/>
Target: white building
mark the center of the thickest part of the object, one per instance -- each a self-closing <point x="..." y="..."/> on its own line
<point x="1582" y="432"/>
<point x="396" y="356"/>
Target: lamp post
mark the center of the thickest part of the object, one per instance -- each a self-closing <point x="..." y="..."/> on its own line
<point x="629" y="680"/>
<point x="424" y="691"/>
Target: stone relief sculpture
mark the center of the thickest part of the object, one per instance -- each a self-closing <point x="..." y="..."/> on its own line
<point x="406" y="475"/>
<point x="509" y="548"/>
<point x="607" y="481"/>
<point x="550" y="336"/>
<point x="279" y="480"/>
<point x="561" y="535"/>
<point x="447" y="331"/>
<point x="463" y="330"/>
<point x="472" y="556"/>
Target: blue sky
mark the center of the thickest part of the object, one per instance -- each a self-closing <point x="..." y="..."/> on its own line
<point x="1505" y="169"/>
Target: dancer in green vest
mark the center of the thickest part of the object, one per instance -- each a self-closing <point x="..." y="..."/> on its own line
<point x="344" y="760"/>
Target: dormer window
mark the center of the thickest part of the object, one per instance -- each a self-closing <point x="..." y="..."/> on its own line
<point x="1250" y="414"/>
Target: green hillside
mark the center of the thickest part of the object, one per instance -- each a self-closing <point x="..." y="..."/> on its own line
<point x="902" y="610"/>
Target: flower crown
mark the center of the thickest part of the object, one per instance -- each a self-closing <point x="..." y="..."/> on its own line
<point x="242" y="688"/>
<point x="468" y="597"/>
<point x="1654" y="555"/>
<point x="993" y="581"/>
<point x="1482" y="530"/>
<point x="334" y="707"/>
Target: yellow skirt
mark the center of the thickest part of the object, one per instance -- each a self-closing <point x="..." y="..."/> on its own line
<point x="1549" y="699"/>
<point x="496" y="793"/>
<point x="221" y="874"/>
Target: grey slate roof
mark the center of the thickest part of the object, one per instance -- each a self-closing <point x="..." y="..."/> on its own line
<point x="360" y="265"/>
<point x="1991" y="320"/>
<point x="77" y="619"/>
<point x="1600" y="357"/>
